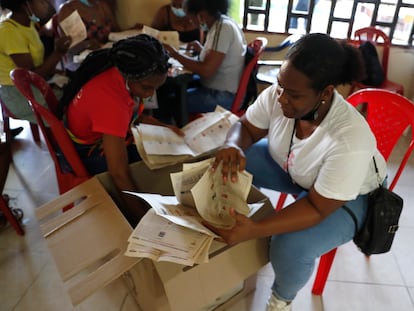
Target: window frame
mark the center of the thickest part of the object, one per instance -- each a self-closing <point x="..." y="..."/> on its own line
<point x="291" y="13"/>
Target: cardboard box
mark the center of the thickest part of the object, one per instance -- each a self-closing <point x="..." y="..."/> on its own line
<point x="88" y="242"/>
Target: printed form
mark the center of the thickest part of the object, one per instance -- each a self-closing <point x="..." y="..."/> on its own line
<point x="173" y="229"/>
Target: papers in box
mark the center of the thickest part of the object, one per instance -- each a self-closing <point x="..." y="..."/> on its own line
<point x="173" y="231"/>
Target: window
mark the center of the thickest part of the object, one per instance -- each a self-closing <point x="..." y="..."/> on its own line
<point x="339" y="18"/>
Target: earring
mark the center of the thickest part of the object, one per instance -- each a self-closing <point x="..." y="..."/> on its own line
<point x="323" y="102"/>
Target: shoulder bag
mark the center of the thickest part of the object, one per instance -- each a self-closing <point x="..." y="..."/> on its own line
<point x="381" y="223"/>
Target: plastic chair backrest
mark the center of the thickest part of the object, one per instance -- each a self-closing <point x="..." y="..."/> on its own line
<point x="258" y="45"/>
<point x="388" y="115"/>
<point x="53" y="130"/>
<point x="376" y="37"/>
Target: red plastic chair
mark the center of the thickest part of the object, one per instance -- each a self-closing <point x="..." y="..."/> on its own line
<point x="389" y="115"/>
<point x="8" y="213"/>
<point x="378" y="38"/>
<point x="6" y="122"/>
<point x="258" y="44"/>
<point x="70" y="171"/>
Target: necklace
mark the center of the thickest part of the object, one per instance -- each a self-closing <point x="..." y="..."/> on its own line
<point x="86" y="2"/>
<point x="290" y="148"/>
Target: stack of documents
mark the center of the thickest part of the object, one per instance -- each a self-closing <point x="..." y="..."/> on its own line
<point x="159" y="146"/>
<point x="125" y="34"/>
<point x="173" y="229"/>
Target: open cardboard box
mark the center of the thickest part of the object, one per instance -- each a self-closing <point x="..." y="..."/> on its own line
<point x="88" y="242"/>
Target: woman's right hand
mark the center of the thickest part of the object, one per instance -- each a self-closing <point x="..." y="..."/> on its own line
<point x="194" y="47"/>
<point x="233" y="160"/>
<point x="62" y="44"/>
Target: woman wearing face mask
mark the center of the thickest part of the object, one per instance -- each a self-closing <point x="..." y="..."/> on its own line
<point x="20" y="46"/>
<point x="104" y="97"/>
<point x="173" y="17"/>
<point x="301" y="137"/>
<point x="221" y="59"/>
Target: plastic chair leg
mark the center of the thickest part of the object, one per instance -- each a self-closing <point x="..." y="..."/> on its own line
<point x="6" y="124"/>
<point x="324" y="267"/>
<point x="281" y="201"/>
<point x="4" y="207"/>
<point x="35" y="132"/>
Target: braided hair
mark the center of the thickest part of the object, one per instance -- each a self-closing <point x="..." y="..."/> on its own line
<point x="136" y="58"/>
<point x="139" y="57"/>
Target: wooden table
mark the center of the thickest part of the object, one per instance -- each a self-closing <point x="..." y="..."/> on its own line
<point x="5" y="160"/>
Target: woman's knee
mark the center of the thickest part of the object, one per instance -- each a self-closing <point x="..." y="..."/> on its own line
<point x="290" y="247"/>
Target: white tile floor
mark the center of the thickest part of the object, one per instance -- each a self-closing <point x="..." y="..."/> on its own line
<point x="29" y="280"/>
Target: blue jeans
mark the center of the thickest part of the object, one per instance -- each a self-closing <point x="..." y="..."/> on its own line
<point x="293" y="254"/>
<point x="95" y="161"/>
<point x="203" y="99"/>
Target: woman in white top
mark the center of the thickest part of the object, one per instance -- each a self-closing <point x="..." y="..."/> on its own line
<point x="318" y="147"/>
<point x="221" y="58"/>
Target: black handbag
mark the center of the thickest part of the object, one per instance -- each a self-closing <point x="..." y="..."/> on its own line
<point x="381" y="224"/>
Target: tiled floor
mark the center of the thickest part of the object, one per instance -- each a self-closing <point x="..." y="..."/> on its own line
<point x="29" y="280"/>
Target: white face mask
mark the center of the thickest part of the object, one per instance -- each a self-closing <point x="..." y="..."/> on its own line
<point x="179" y="12"/>
<point x="32" y="16"/>
<point x="86" y="2"/>
<point x="204" y="27"/>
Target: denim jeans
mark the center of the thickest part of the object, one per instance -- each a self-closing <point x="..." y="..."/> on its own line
<point x="95" y="161"/>
<point x="293" y="254"/>
<point x="203" y="99"/>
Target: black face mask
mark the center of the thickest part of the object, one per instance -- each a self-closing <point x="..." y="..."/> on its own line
<point x="313" y="114"/>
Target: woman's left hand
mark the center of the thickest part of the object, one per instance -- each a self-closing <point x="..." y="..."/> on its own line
<point x="243" y="229"/>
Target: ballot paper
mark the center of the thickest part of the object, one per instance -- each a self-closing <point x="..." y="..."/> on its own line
<point x="166" y="37"/>
<point x="125" y="34"/>
<point x="74" y="27"/>
<point x="174" y="228"/>
<point x="159" y="146"/>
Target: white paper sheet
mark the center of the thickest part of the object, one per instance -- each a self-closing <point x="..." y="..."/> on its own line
<point x="74" y="27"/>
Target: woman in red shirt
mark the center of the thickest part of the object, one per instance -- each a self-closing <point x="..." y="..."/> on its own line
<point x="104" y="97"/>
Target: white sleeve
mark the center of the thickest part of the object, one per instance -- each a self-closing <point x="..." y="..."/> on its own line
<point x="261" y="111"/>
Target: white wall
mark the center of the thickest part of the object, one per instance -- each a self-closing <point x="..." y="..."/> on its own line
<point x="130" y="12"/>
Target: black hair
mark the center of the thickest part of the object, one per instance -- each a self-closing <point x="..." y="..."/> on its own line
<point x="139" y="57"/>
<point x="213" y="7"/>
<point x="13" y="5"/>
<point x="326" y="61"/>
<point x="136" y="58"/>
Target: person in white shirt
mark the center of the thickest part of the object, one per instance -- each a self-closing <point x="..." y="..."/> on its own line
<point x="302" y="137"/>
<point x="221" y="58"/>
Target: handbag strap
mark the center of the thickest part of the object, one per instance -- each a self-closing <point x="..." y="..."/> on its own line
<point x="349" y="211"/>
<point x="376" y="171"/>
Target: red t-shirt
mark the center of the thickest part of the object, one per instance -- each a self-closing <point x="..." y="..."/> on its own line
<point x="102" y="106"/>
